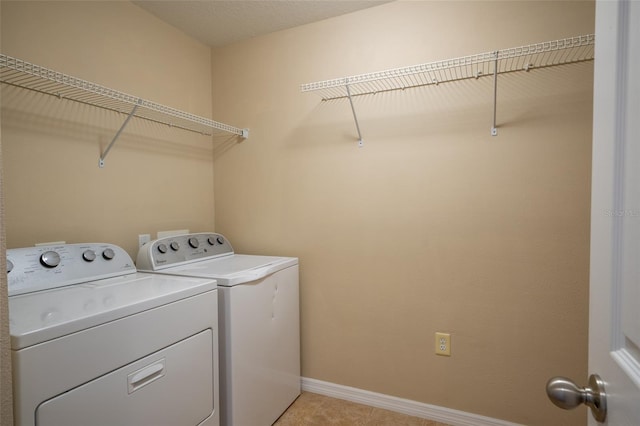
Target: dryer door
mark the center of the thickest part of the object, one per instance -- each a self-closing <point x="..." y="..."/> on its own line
<point x="172" y="387"/>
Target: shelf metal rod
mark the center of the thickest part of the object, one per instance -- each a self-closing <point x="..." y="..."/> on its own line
<point x="355" y="117"/>
<point x="115" y="138"/>
<point x="540" y="55"/>
<point x="494" y="129"/>
<point x="18" y="73"/>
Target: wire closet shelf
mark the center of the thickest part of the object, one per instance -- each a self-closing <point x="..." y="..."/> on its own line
<point x="25" y="75"/>
<point x="523" y="58"/>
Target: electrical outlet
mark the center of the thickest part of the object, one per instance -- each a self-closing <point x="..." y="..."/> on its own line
<point x="143" y="238"/>
<point x="443" y="344"/>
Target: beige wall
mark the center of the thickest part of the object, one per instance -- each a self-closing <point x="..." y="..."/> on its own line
<point x="433" y="225"/>
<point x="155" y="178"/>
<point x="6" y="409"/>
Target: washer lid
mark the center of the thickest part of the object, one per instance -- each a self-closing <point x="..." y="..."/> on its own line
<point x="45" y="315"/>
<point x="233" y="269"/>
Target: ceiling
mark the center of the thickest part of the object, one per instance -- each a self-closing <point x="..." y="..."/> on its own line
<point x="221" y="22"/>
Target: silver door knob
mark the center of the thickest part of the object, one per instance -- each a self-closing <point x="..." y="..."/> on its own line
<point x="567" y="395"/>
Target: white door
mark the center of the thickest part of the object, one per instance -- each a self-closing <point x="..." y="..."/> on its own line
<point x="614" y="323"/>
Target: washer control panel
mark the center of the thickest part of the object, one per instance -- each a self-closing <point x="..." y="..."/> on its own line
<point x="39" y="268"/>
<point x="178" y="249"/>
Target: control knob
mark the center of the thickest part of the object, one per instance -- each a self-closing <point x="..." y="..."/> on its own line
<point x="108" y="254"/>
<point x="89" y="255"/>
<point x="50" y="259"/>
<point x="220" y="240"/>
<point x="174" y="246"/>
<point x="162" y="248"/>
<point x="9" y="266"/>
<point x="193" y="242"/>
<point x="211" y="241"/>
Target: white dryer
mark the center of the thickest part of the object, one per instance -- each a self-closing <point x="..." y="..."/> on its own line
<point x="94" y="343"/>
<point x="259" y="315"/>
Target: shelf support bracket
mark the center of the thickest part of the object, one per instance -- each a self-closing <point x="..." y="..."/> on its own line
<point x="494" y="129"/>
<point x="355" y="117"/>
<point x="115" y="138"/>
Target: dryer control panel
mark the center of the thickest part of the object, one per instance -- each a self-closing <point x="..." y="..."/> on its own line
<point x="180" y="249"/>
<point x="39" y="268"/>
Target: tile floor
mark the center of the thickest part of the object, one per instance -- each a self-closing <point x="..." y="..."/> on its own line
<point x="311" y="409"/>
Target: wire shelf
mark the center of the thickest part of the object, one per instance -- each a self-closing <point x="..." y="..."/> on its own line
<point x="16" y="72"/>
<point x="524" y="58"/>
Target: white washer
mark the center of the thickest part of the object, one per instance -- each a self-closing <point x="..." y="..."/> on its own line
<point x="94" y="343"/>
<point x="259" y="314"/>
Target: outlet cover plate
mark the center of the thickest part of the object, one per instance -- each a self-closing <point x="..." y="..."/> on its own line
<point x="443" y="344"/>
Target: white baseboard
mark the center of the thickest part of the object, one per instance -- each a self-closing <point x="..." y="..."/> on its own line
<point x="399" y="405"/>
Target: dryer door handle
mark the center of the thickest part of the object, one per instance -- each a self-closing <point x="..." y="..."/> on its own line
<point x="146" y="375"/>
